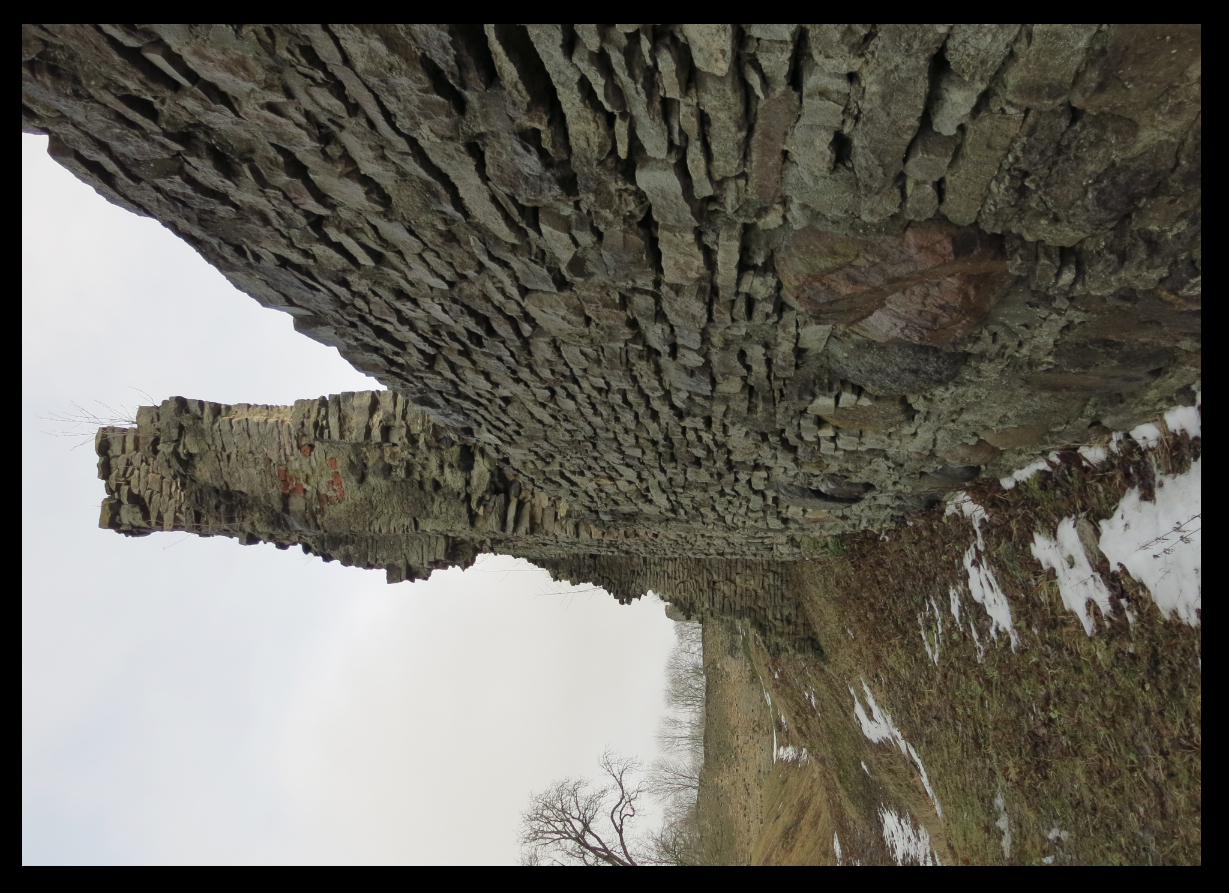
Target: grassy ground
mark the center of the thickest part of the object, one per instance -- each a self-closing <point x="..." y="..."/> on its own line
<point x="738" y="747"/>
<point x="1091" y="744"/>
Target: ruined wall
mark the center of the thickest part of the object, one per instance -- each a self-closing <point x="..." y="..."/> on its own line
<point x="368" y="480"/>
<point x="755" y="278"/>
<point x="659" y="306"/>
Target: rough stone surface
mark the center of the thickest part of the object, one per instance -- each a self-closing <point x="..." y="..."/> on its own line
<point x="368" y="480"/>
<point x="634" y="264"/>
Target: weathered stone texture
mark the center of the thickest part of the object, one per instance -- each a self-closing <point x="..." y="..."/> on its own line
<point x="368" y="480"/>
<point x="634" y="263"/>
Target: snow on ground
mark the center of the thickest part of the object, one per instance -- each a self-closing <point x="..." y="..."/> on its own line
<point x="1078" y="582"/>
<point x="954" y="596"/>
<point x="932" y="650"/>
<point x="1160" y="543"/>
<point x="878" y="727"/>
<point x="1021" y="475"/>
<point x="1146" y="435"/>
<point x="772" y="718"/>
<point x="983" y="585"/>
<point x="962" y="503"/>
<point x="1093" y="454"/>
<point x="1185" y="419"/>
<point x="909" y="843"/>
<point x="791" y="754"/>
<point x="811" y="699"/>
<point x="1003" y="824"/>
<point x="985" y="589"/>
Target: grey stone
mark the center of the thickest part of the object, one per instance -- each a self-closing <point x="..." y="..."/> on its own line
<point x="892" y="369"/>
<point x="929" y="155"/>
<point x="967" y="182"/>
<point x="1045" y="65"/>
<point x="974" y="54"/>
<point x="633" y="265"/>
<point x="712" y="47"/>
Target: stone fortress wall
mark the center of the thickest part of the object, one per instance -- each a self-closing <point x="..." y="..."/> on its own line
<point x="368" y="480"/>
<point x="720" y="289"/>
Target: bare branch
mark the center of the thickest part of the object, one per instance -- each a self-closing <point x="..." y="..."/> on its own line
<point x="82" y="424"/>
<point x="582" y="822"/>
<point x="674" y="776"/>
<point x="562" y="823"/>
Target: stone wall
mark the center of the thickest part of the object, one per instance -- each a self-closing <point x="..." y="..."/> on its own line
<point x="740" y="285"/>
<point x="368" y="480"/>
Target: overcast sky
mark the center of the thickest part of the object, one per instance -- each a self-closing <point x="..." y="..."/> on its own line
<point x="193" y="700"/>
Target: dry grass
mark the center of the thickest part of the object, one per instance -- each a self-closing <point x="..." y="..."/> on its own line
<point x="1096" y="737"/>
<point x="737" y="748"/>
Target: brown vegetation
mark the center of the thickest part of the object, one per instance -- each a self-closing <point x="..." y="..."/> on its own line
<point x="1091" y="744"/>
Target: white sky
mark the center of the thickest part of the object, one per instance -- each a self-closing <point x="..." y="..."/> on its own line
<point x="192" y="700"/>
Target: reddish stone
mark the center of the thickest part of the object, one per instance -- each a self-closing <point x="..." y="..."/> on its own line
<point x="333" y="462"/>
<point x="930" y="284"/>
<point x="938" y="311"/>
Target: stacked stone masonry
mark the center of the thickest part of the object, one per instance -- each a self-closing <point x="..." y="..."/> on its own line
<point x="368" y="480"/>
<point x="722" y="288"/>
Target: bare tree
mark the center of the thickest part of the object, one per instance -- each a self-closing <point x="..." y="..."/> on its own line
<point x="581" y="822"/>
<point x="673" y="776"/>
<point x="681" y="733"/>
<point x="576" y="822"/>
<point x="685" y="670"/>
<point x="682" y="729"/>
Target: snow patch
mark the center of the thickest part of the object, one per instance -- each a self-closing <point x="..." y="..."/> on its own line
<point x="985" y="589"/>
<point x="1184" y="419"/>
<point x="878" y="727"/>
<point x="932" y="651"/>
<point x="771" y="718"/>
<point x="983" y="585"/>
<point x="811" y="699"/>
<point x="1021" y="475"/>
<point x="1179" y="420"/>
<point x="962" y="503"/>
<point x="1003" y="824"/>
<point x="981" y="649"/>
<point x="864" y="769"/>
<point x="1093" y="455"/>
<point x="1078" y="582"/>
<point x="836" y="846"/>
<point x="1160" y="543"/>
<point x="791" y="754"/>
<point x="908" y="843"/>
<point x="1146" y="435"/>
